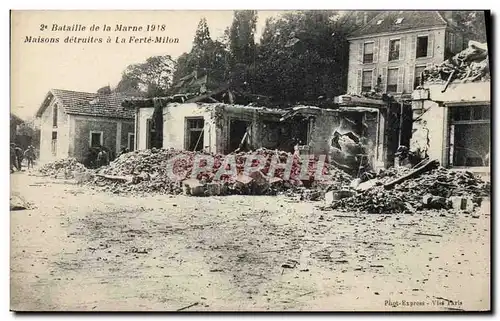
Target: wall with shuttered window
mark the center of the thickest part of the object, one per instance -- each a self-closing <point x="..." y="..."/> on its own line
<point x="406" y="63"/>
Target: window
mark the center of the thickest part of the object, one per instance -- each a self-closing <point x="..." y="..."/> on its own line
<point x="95" y="139"/>
<point x="54" y="116"/>
<point x="53" y="146"/>
<point x="398" y="21"/>
<point x="131" y="141"/>
<point x="194" y="134"/>
<point x="422" y="43"/>
<point x="368" y="53"/>
<point x="418" y="76"/>
<point x="392" y="80"/>
<point x="366" y="82"/>
<point x="470" y="136"/>
<point x="394" y="46"/>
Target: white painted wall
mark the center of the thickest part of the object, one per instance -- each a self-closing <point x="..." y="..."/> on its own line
<point x="141" y="135"/>
<point x="174" y="122"/>
<point x="46" y="129"/>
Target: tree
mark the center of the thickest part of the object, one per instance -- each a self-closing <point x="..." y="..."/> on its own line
<point x="207" y="57"/>
<point x="241" y="36"/>
<point x="472" y="23"/>
<point x="202" y="35"/>
<point x="303" y="56"/>
<point x="152" y="78"/>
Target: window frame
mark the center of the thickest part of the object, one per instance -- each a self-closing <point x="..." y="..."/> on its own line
<point x="399" y="51"/>
<point x="416" y="46"/>
<point x="188" y="130"/>
<point x="128" y="141"/>
<point x="371" y="81"/>
<point x="397" y="80"/>
<point x="373" y="53"/>
<point x="55" y="115"/>
<point x="450" y="133"/>
<point x="101" y="139"/>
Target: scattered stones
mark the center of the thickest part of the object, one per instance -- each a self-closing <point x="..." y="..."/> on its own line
<point x="68" y="168"/>
<point x="432" y="189"/>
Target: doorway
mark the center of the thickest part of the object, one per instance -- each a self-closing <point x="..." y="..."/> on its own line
<point x="237" y="130"/>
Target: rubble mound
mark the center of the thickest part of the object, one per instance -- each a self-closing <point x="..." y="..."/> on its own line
<point x="68" y="168"/>
<point x="149" y="171"/>
<point x="469" y="65"/>
<point x="434" y="189"/>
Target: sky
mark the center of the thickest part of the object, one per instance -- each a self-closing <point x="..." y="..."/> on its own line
<point x="38" y="67"/>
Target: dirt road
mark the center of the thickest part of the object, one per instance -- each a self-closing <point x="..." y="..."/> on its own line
<point x="84" y="250"/>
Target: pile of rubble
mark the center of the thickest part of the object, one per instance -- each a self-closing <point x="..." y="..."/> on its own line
<point x="469" y="65"/>
<point x="438" y="188"/>
<point x="149" y="171"/>
<point x="68" y="168"/>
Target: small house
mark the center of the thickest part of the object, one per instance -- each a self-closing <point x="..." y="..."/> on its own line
<point x="72" y="122"/>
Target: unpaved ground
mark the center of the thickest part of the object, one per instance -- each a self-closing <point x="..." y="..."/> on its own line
<point x="82" y="249"/>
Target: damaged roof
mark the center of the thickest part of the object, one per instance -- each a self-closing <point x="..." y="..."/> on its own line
<point x="88" y="104"/>
<point x="398" y="21"/>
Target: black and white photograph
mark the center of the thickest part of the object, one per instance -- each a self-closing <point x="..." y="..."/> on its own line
<point x="250" y="161"/>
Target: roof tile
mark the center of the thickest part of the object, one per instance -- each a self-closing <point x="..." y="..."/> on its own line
<point x="93" y="104"/>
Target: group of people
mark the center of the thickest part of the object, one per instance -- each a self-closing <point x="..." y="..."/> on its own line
<point x="17" y="155"/>
<point x="101" y="156"/>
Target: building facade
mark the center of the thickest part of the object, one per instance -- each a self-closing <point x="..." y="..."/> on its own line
<point x="73" y="122"/>
<point x="390" y="52"/>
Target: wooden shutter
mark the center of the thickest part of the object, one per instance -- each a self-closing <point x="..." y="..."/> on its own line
<point x="402" y="48"/>
<point x="401" y="75"/>
<point x="360" y="52"/>
<point x="359" y="81"/>
<point x="430" y="45"/>
<point x="384" y="54"/>
<point x="413" y="47"/>
<point x="376" y="50"/>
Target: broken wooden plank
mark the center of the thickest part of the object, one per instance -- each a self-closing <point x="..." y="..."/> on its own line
<point x="427" y="166"/>
<point x="114" y="177"/>
<point x="187" y="307"/>
<point x="348" y="216"/>
<point x="428" y="234"/>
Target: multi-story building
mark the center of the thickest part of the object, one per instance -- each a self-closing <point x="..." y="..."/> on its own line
<point x="391" y="50"/>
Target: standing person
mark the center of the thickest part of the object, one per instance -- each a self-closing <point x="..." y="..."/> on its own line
<point x="19" y="157"/>
<point x="106" y="157"/>
<point x="13" y="158"/>
<point x="100" y="157"/>
<point x="29" y="154"/>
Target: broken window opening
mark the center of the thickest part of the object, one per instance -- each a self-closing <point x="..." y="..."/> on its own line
<point x="422" y="43"/>
<point x="54" y="116"/>
<point x="195" y="133"/>
<point x="418" y="76"/>
<point x="238" y="135"/>
<point x="469" y="133"/>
